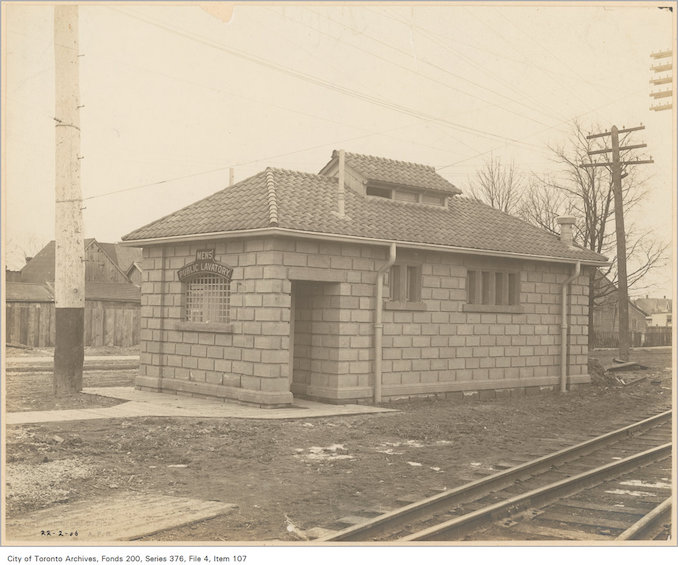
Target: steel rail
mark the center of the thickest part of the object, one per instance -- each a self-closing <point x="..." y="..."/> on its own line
<point x="649" y="523"/>
<point x="538" y="496"/>
<point x="375" y="526"/>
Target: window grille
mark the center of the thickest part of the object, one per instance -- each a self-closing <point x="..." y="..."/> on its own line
<point x="208" y="299"/>
<point x="493" y="288"/>
<point x="405" y="283"/>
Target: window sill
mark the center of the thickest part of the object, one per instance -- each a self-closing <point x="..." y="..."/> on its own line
<point x="494" y="308"/>
<point x="214" y="327"/>
<point x="392" y="305"/>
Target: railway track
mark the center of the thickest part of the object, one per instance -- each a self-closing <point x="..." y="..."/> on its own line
<point x="602" y="488"/>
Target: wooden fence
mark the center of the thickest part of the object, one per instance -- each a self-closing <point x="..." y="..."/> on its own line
<point x="106" y="323"/>
<point x="653" y="336"/>
<point x="657" y="335"/>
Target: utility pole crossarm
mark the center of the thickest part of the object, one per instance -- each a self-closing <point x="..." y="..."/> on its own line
<point x="606" y="133"/>
<point x="625" y="148"/>
<point x="609" y="164"/>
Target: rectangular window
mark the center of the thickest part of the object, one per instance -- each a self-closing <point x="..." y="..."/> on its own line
<point x="380" y="192"/>
<point x="413" y="294"/>
<point x="207" y="299"/>
<point x="433" y="199"/>
<point x="406" y="196"/>
<point x="492" y="288"/>
<point x="405" y="283"/>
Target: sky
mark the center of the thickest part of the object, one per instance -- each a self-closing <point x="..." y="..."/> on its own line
<point x="175" y="95"/>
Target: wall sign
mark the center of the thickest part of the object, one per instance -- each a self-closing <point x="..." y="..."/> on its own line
<point x="204" y="264"/>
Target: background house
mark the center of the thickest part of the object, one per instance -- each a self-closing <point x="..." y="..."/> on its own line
<point x="606" y="316"/>
<point x="112" y="299"/>
<point x="658" y="310"/>
<point x="659" y="319"/>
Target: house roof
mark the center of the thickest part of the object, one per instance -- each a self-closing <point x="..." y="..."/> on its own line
<point x="118" y="292"/>
<point x="36" y="292"/>
<point x="27" y="292"/>
<point x="654" y="305"/>
<point x="389" y="171"/>
<point x="122" y="256"/>
<point x="304" y="202"/>
<point x="41" y="267"/>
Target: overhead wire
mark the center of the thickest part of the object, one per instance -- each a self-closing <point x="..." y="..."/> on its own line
<point x="628" y="95"/>
<point x="441" y="41"/>
<point x="318" y="81"/>
<point x="238" y="164"/>
<point x="421" y="60"/>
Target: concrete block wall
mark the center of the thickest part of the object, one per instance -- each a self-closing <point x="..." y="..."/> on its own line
<point x="431" y="349"/>
<point x="445" y="349"/>
<point x="246" y="361"/>
<point x="250" y="361"/>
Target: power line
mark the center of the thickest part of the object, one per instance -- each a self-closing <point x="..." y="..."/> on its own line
<point x="320" y="81"/>
<point x="225" y="92"/>
<point x="239" y="164"/>
<point x="441" y="41"/>
<point x="554" y="55"/>
<point x="544" y="130"/>
<point x="422" y="60"/>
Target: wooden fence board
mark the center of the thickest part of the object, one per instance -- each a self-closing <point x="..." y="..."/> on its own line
<point x="109" y="327"/>
<point x="24" y="324"/>
<point x="106" y="323"/>
<point x="97" y="324"/>
<point x="45" y="317"/>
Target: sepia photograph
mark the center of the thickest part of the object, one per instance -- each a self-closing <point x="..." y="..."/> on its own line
<point x="336" y="274"/>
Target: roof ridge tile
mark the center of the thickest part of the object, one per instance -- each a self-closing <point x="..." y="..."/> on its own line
<point x="398" y="161"/>
<point x="272" y="198"/>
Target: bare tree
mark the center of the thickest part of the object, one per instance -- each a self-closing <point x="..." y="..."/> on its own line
<point x="497" y="185"/>
<point x="587" y="194"/>
<point x="542" y="203"/>
<point x="18" y="250"/>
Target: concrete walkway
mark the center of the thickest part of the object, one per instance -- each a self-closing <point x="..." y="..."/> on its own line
<point x="37" y="363"/>
<point x="142" y="403"/>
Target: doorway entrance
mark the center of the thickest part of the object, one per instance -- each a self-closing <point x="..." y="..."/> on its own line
<point x="314" y="339"/>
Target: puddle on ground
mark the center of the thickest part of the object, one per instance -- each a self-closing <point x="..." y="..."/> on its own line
<point x="628" y="492"/>
<point x="643" y="484"/>
<point x="329" y="453"/>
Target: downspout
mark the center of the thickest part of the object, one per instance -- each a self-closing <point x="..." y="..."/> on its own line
<point x="161" y="349"/>
<point x="378" y="325"/>
<point x="563" y="328"/>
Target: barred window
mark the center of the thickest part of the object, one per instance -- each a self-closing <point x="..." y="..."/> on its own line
<point x="405" y="283"/>
<point x="208" y="299"/>
<point x="498" y="288"/>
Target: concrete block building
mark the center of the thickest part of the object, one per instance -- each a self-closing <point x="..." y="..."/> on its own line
<point x="371" y="280"/>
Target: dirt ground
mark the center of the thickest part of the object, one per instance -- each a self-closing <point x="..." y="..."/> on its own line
<point x="308" y="472"/>
<point x="33" y="391"/>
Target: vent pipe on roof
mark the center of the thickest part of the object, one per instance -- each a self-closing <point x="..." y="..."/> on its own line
<point x="231" y="176"/>
<point x="341" y="193"/>
<point x="566" y="226"/>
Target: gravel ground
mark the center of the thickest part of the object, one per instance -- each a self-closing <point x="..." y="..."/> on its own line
<point x="308" y="472"/>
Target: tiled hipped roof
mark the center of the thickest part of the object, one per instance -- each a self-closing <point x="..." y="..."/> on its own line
<point x="308" y="202"/>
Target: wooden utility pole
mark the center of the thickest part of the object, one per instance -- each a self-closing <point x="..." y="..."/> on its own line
<point x="69" y="283"/>
<point x="616" y="170"/>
